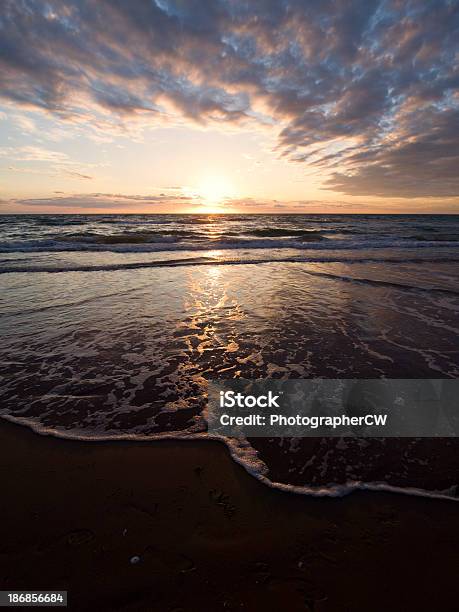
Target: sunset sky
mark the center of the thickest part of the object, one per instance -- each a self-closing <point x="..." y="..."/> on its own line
<point x="229" y="106"/>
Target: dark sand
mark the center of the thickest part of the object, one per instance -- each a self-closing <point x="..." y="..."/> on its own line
<point x="209" y="536"/>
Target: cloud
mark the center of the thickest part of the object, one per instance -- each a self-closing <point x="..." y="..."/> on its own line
<point x="99" y="201"/>
<point x="25" y="123"/>
<point x="422" y="161"/>
<point x="364" y="92"/>
<point x="58" y="163"/>
<point x="81" y="202"/>
<point x="34" y="153"/>
<point x="54" y="172"/>
<point x="78" y="175"/>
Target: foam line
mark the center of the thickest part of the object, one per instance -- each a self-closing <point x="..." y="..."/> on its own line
<point x="247" y="459"/>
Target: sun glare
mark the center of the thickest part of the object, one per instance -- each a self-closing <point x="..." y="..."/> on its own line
<point x="214" y="191"/>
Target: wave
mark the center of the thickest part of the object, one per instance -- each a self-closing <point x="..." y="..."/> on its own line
<point x="139" y="237"/>
<point x="146" y="243"/>
<point x="274" y="232"/>
<point x="243" y="454"/>
<point x="202" y="261"/>
<point x="380" y="283"/>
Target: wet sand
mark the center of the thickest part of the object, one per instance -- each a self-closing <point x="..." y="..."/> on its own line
<point x="209" y="536"/>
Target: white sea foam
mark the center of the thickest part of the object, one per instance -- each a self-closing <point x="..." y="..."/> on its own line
<point x="241" y="451"/>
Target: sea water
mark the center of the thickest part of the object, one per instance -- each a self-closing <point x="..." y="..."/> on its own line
<point x="111" y="325"/>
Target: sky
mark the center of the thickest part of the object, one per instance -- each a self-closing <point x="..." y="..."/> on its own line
<point x="152" y="106"/>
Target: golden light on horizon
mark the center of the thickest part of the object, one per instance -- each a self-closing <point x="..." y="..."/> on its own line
<point x="214" y="191"/>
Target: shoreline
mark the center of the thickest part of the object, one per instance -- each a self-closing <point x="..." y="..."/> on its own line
<point x="328" y="491"/>
<point x="209" y="536"/>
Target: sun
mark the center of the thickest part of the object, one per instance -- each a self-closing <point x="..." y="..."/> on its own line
<point x="214" y="191"/>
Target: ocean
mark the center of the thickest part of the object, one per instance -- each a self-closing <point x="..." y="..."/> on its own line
<point x="111" y="325"/>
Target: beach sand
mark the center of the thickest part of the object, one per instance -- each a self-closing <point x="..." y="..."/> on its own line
<point x="209" y="536"/>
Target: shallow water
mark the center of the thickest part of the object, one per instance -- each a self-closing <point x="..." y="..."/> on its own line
<point x="119" y="342"/>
